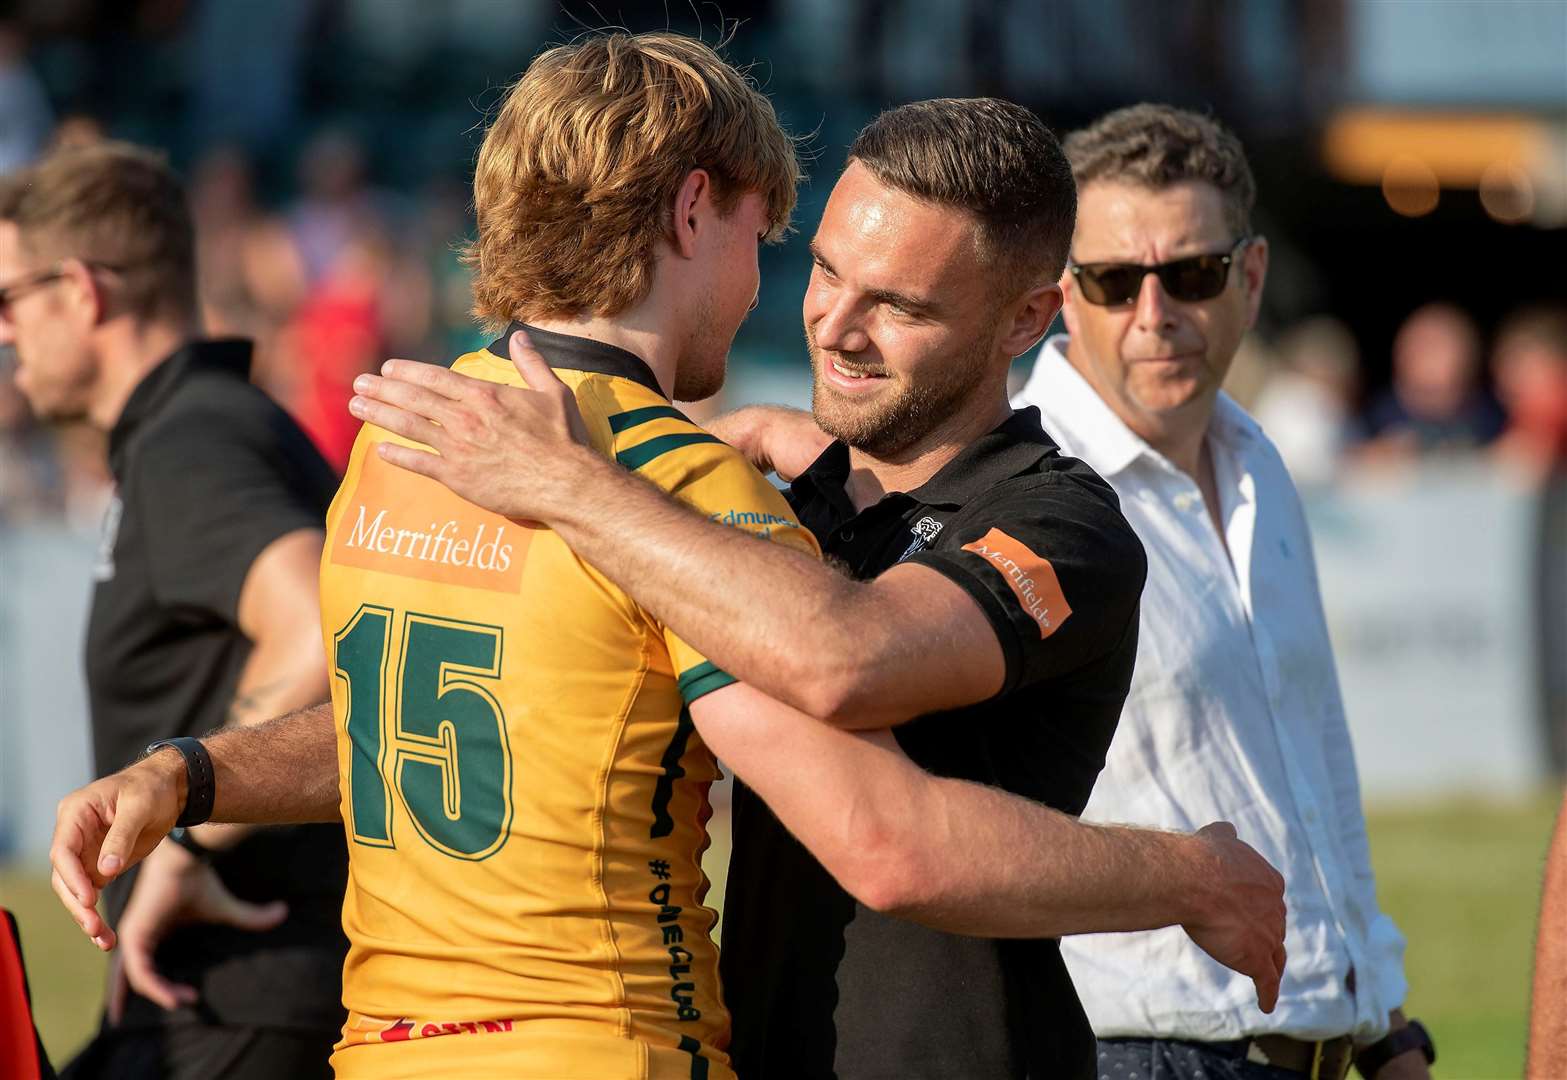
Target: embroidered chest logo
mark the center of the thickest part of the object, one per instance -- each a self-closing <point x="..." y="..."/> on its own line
<point x="925" y="530"/>
<point x="103" y="566"/>
<point x="1030" y="577"/>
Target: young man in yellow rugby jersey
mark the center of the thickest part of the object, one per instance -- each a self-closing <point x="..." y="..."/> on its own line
<point x="521" y="751"/>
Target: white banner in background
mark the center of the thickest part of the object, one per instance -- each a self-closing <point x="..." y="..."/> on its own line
<point x="1429" y="583"/>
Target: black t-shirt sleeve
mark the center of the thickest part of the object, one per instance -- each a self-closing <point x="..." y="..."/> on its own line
<point x="1056" y="569"/>
<point x="214" y="491"/>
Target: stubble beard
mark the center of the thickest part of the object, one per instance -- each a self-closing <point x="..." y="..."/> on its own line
<point x="892" y="423"/>
<point x="701" y="371"/>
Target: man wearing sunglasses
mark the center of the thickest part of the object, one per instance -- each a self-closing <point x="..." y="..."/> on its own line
<point x="1234" y="709"/>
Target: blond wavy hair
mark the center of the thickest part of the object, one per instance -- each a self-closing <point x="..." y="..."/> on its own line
<point x="577" y="175"/>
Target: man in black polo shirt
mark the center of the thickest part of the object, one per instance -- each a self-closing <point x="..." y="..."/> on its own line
<point x="205" y="611"/>
<point x="1023" y="580"/>
<point x="987" y="575"/>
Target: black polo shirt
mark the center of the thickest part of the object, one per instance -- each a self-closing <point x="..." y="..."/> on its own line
<point x="208" y="472"/>
<point x="820" y="986"/>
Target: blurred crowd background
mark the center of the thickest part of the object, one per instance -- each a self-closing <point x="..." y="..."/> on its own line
<point x="1410" y="361"/>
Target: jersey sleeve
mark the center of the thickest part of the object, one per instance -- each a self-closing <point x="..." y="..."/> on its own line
<point x="213" y="494"/>
<point x="1056" y="569"/>
<point x="661" y="445"/>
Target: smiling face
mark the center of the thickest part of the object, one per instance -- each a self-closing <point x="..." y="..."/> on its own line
<point x="901" y="317"/>
<point x="1159" y="362"/>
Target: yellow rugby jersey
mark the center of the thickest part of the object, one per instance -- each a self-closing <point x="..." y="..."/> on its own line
<point x="524" y="795"/>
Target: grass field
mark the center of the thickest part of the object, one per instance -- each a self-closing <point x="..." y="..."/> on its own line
<point x="1462" y="880"/>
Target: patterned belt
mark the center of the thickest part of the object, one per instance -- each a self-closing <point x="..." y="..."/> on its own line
<point x="1328" y="1059"/>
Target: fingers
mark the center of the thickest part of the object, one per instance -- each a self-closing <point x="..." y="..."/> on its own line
<point x="399" y="421"/>
<point x="68" y="855"/>
<point x="133" y="816"/>
<point x="143" y="975"/>
<point x="224" y="907"/>
<point x="1219" y="830"/>
<point x="85" y="915"/>
<point x="406" y="457"/>
<point x="1267" y="991"/>
<point x="114" y="1003"/>
<point x="531" y="365"/>
<point x="432" y="377"/>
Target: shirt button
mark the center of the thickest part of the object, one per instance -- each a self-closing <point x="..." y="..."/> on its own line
<point x="847" y="534"/>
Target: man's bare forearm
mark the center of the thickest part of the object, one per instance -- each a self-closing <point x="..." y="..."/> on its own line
<point x="953" y="855"/>
<point x="279" y="677"/>
<point x="1548" y="1014"/>
<point x="281" y="771"/>
<point x="1003" y="866"/>
<point x="703" y="580"/>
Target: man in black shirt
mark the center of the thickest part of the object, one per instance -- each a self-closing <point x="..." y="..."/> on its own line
<point x="1019" y="577"/>
<point x="205" y="611"/>
<point x="989" y="609"/>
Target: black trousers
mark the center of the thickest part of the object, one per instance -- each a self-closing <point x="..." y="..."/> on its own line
<point x="204" y="1052"/>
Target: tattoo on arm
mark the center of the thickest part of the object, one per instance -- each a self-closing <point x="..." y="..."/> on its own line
<point x="249" y="706"/>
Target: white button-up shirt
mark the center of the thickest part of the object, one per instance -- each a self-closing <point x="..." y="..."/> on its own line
<point x="1234" y="714"/>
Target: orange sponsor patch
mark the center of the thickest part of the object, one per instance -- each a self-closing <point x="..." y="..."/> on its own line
<point x="1030" y="576"/>
<point x="402" y="523"/>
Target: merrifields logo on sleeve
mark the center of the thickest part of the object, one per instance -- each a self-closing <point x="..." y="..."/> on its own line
<point x="403" y="523"/>
<point x="1030" y="576"/>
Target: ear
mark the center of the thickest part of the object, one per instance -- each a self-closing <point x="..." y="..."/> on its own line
<point x="694" y="195"/>
<point x="1031" y="316"/>
<point x="84" y="292"/>
<point x="1254" y="264"/>
<point x="1069" y="302"/>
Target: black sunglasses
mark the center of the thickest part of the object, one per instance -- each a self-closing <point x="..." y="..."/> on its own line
<point x="1189" y="280"/>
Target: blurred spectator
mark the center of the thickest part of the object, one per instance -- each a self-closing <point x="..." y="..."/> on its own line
<point x="1529" y="365"/>
<point x="25" y="117"/>
<point x="335" y="203"/>
<point x="222" y="202"/>
<point x="1307" y="407"/>
<point x="1436" y="403"/>
<point x="337" y="334"/>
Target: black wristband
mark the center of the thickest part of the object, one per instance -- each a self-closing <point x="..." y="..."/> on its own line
<point x="1412" y="1036"/>
<point x="199" y="789"/>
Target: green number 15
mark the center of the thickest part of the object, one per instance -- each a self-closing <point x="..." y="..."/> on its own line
<point x="435" y="732"/>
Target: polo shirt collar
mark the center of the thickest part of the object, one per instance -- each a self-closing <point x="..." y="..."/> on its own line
<point x="227" y="356"/>
<point x="573" y="353"/>
<point x="1013" y="447"/>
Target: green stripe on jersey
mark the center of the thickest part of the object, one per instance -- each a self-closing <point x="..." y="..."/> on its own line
<point x="621" y="421"/>
<point x="637" y="456"/>
<point x="703" y="679"/>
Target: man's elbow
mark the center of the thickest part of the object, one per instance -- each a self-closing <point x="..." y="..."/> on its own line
<point x="884" y="874"/>
<point x="844" y="694"/>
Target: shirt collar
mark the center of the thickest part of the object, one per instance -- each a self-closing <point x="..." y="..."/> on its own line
<point x="229" y="357"/>
<point x="1013" y="447"/>
<point x="574" y="353"/>
<point x="1076" y="413"/>
<point x="1090" y="429"/>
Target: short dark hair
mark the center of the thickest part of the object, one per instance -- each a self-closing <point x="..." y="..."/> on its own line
<point x="111" y="203"/>
<point x="1155" y="146"/>
<point x="989" y="157"/>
